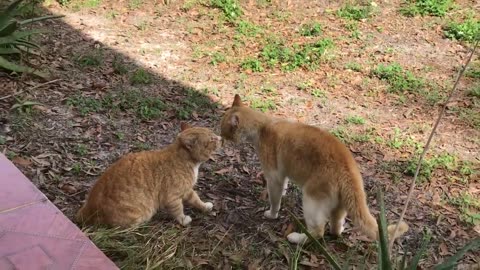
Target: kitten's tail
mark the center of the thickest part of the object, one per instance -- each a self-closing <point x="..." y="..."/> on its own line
<point x="353" y="198"/>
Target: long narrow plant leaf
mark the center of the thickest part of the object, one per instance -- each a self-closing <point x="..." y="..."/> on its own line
<point x="5" y="51"/>
<point x="414" y="263"/>
<point x="451" y="262"/>
<point x="27" y="44"/>
<point x="333" y="262"/>
<point x="9" y="28"/>
<point x="16" y="36"/>
<point x="383" y="256"/>
<point x="8" y="13"/>
<point x="40" y="19"/>
<point x="4" y="63"/>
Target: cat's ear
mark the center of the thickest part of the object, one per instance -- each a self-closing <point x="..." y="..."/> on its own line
<point x="237" y="101"/>
<point x="184" y="126"/>
<point x="188" y="141"/>
<point x="234" y="120"/>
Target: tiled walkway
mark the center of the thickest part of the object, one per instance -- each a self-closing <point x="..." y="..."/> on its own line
<point x="35" y="235"/>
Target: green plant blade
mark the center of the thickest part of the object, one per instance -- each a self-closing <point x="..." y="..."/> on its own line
<point x="16" y="36"/>
<point x="8" y="29"/>
<point x="383" y="256"/>
<point x="426" y="240"/>
<point x="9" y="51"/>
<point x="26" y="44"/>
<point x="9" y="12"/>
<point x="4" y="63"/>
<point x="451" y="262"/>
<point x="40" y="19"/>
<point x="333" y="262"/>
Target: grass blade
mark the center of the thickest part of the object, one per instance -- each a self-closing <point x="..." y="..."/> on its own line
<point x="451" y="262"/>
<point x="426" y="240"/>
<point x="9" y="51"/>
<point x="316" y="243"/>
<point x="4" y="63"/>
<point x="40" y="19"/>
<point x="383" y="256"/>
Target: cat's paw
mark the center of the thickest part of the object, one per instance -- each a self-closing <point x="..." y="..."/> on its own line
<point x="297" y="238"/>
<point x="208" y="206"/>
<point x="185" y="220"/>
<point x="268" y="214"/>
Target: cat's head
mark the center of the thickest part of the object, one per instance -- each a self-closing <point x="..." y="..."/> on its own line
<point x="238" y="122"/>
<point x="200" y="142"/>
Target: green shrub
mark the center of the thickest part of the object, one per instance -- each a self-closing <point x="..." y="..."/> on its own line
<point x="468" y="30"/>
<point x="398" y="79"/>
<point x="231" y="8"/>
<point x="438" y="8"/>
<point x="356" y="12"/>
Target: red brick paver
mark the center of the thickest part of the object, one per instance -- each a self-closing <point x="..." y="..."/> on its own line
<point x="35" y="235"/>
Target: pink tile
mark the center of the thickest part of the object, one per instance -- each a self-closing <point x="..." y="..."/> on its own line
<point x="22" y="259"/>
<point x="40" y="218"/>
<point x="17" y="190"/>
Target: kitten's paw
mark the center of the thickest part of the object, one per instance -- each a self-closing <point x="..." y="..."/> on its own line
<point x="297" y="238"/>
<point x="185" y="220"/>
<point x="268" y="214"/>
<point x="208" y="206"/>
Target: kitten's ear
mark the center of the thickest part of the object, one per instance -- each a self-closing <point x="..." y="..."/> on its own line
<point x="184" y="126"/>
<point x="234" y="120"/>
<point x="237" y="101"/>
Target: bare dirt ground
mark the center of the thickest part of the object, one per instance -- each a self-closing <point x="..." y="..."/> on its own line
<point x="125" y="73"/>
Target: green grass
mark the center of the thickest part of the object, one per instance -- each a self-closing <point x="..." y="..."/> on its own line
<point x="469" y="206"/>
<point x="135" y="4"/>
<point x="437" y="8"/>
<point x="262" y="104"/>
<point x="355" y="12"/>
<point x="141" y="76"/>
<point x="276" y="54"/>
<point x="151" y="247"/>
<point x="248" y="29"/>
<point x="217" y="57"/>
<point x="348" y="136"/>
<point x="429" y="165"/>
<point x="230" y="8"/>
<point x="81" y="149"/>
<point x="468" y="30"/>
<point x="119" y="67"/>
<point x="91" y="59"/>
<point x="193" y="102"/>
<point x="470" y="114"/>
<point x="145" y="107"/>
<point x="311" y="29"/>
<point x="473" y="71"/>
<point x="80" y="4"/>
<point x="400" y="81"/>
<point x="353" y="66"/>
<point x="252" y="64"/>
<point x="475" y="91"/>
<point x="355" y="119"/>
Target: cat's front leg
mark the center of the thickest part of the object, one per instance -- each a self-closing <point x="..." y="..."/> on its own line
<point x="275" y="189"/>
<point x="175" y="208"/>
<point x="192" y="198"/>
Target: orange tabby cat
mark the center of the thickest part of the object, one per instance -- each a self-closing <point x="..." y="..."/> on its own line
<point x="312" y="158"/>
<point x="136" y="186"/>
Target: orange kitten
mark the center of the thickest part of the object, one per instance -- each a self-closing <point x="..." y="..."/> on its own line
<point x="312" y="158"/>
<point x="132" y="189"/>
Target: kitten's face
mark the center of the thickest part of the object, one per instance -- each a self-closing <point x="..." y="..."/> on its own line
<point x="231" y="127"/>
<point x="200" y="142"/>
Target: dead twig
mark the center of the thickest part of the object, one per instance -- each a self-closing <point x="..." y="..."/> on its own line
<point x="427" y="145"/>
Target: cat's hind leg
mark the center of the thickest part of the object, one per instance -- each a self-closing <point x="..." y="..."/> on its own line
<point x="275" y="186"/>
<point x="337" y="220"/>
<point x="316" y="210"/>
<point x="175" y="208"/>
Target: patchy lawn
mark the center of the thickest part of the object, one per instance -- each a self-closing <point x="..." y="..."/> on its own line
<point x="124" y="73"/>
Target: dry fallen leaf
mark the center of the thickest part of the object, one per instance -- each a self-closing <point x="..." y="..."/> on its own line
<point x="19" y="161"/>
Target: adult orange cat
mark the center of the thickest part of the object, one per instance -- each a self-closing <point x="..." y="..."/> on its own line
<point x="312" y="158"/>
<point x="132" y="189"/>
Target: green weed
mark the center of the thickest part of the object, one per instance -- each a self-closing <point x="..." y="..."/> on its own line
<point x="248" y="29"/>
<point x="81" y="149"/>
<point x="470" y="114"/>
<point x="355" y="119"/>
<point x="437" y="8"/>
<point x="217" y="57"/>
<point x="355" y="12"/>
<point x="252" y="64"/>
<point x="398" y="79"/>
<point x="193" y="102"/>
<point x="141" y="76"/>
<point x="77" y="168"/>
<point x="469" y="206"/>
<point x="77" y="5"/>
<point x="318" y="93"/>
<point x="91" y="59"/>
<point x="311" y="30"/>
<point x="263" y="105"/>
<point x="135" y="4"/>
<point x="473" y="71"/>
<point x="231" y="8"/>
<point x="468" y="30"/>
<point x="475" y="91"/>
<point x="353" y="66"/>
<point x="429" y="165"/>
<point x="119" y="67"/>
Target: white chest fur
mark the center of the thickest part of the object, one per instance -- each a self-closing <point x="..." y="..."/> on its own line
<point x="195" y="173"/>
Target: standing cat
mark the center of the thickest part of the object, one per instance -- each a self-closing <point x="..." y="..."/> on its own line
<point x="312" y="158"/>
<point x="132" y="189"/>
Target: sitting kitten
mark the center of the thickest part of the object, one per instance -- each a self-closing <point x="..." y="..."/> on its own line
<point x="132" y="189"/>
<point x="312" y="158"/>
